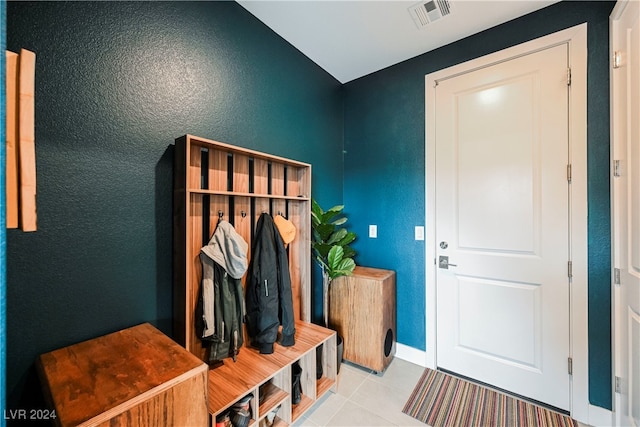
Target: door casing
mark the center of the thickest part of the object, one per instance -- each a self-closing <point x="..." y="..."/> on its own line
<point x="622" y="113"/>
<point x="576" y="37"/>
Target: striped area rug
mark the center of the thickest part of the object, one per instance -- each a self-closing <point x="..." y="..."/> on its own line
<point x="441" y="400"/>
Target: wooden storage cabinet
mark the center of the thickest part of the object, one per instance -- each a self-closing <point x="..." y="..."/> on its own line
<point x="134" y="377"/>
<point x="363" y="312"/>
<point x="214" y="180"/>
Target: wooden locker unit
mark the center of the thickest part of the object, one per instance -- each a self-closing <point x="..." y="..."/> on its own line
<point x="214" y="180"/>
<point x="363" y="311"/>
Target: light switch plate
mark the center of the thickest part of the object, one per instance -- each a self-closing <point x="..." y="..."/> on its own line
<point x="373" y="231"/>
<point x="419" y="232"/>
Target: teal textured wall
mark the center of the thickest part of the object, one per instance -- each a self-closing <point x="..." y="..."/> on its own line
<point x="385" y="169"/>
<point x="116" y="83"/>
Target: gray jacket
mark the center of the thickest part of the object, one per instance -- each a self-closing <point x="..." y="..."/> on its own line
<point x="229" y="250"/>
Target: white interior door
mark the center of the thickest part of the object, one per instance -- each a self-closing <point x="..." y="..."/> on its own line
<point x="502" y="219"/>
<point x="625" y="120"/>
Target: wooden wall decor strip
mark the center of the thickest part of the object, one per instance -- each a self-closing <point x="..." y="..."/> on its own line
<point x="27" y="149"/>
<point x="12" y="140"/>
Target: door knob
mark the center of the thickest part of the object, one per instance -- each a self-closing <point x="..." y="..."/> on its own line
<point x="443" y="262"/>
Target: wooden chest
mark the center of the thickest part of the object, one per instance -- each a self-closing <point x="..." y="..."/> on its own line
<point x="134" y="377"/>
<point x="363" y="311"/>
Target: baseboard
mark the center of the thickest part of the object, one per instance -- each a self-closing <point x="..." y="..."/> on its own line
<point x="411" y="354"/>
<point x="600" y="417"/>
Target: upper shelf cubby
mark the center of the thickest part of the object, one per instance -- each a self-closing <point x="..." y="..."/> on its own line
<point x="221" y="169"/>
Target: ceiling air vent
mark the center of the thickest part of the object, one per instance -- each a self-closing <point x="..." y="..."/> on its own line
<point x="426" y="12"/>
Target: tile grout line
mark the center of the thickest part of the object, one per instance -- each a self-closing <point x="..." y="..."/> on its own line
<point x="348" y="399"/>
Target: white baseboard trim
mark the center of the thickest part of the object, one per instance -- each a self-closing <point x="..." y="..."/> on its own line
<point x="410" y="354"/>
<point x="600" y="417"/>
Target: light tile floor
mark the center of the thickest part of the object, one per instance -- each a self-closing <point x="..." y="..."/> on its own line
<point x="367" y="399"/>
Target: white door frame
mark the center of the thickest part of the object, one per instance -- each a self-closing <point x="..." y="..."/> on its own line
<point x="619" y="118"/>
<point x="576" y="37"/>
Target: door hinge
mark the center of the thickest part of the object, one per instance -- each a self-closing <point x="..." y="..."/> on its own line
<point x="617" y="385"/>
<point x="616" y="276"/>
<point x="617" y="59"/>
<point x="569" y="173"/>
<point x="570" y="269"/>
<point x="568" y="76"/>
<point x="570" y="365"/>
<point x="616" y="168"/>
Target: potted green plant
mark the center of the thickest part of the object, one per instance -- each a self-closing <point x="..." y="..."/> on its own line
<point x="332" y="252"/>
<point x="331" y="247"/>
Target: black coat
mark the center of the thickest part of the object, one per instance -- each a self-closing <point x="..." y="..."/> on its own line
<point x="268" y="289"/>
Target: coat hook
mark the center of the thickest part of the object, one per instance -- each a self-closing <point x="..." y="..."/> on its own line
<point x="220" y="214"/>
<point x="243" y="214"/>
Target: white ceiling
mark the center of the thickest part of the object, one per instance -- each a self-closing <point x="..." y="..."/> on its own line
<point x="350" y="39"/>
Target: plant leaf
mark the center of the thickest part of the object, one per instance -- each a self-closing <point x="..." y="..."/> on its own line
<point x="339" y="221"/>
<point x="344" y="268"/>
<point x="322" y="249"/>
<point x="315" y="219"/>
<point x="334" y="257"/>
<point x="325" y="231"/>
<point x="337" y="236"/>
<point x="332" y="212"/>
<point x="322" y="263"/>
<point x="348" y="238"/>
<point x="316" y="209"/>
<point x="348" y="252"/>
<point x="330" y="241"/>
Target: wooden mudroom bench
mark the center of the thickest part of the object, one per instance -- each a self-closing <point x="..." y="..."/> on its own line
<point x="268" y="377"/>
<point x="214" y="181"/>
